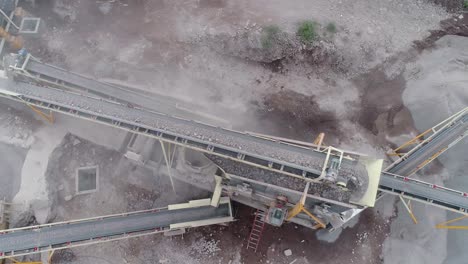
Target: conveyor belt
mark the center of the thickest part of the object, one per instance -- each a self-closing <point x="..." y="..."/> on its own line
<point x="58" y="76"/>
<point x="394" y="180"/>
<point x="441" y="141"/>
<point x="21" y="241"/>
<point x="251" y="150"/>
<point x="279" y="157"/>
<point x="424" y="192"/>
<point x="284" y="158"/>
<point x="72" y="104"/>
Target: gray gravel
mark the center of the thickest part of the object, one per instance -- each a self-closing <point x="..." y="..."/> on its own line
<point x="323" y="190"/>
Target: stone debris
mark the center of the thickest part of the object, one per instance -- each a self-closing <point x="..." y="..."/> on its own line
<point x="287" y="252"/>
<point x="329" y="191"/>
<point x="205" y="247"/>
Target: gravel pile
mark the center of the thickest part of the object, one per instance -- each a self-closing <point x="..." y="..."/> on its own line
<point x="323" y="190"/>
<point x="206" y="247"/>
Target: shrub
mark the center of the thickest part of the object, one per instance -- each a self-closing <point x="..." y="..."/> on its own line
<point x="465" y="4"/>
<point x="332" y="28"/>
<point x="307" y="31"/>
<point x="269" y="34"/>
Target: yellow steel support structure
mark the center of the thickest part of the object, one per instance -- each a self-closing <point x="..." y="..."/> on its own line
<point x="169" y="158"/>
<point x="415" y="140"/>
<point x="418" y="140"/>
<point x="299" y="207"/>
<point x="48" y="117"/>
<point x="49" y="260"/>
<point x="19" y="262"/>
<point x="408" y="208"/>
<point x="445" y="225"/>
<point x="16" y="42"/>
<point x="319" y="140"/>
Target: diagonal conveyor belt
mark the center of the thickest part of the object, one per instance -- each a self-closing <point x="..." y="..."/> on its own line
<point x="76" y="81"/>
<point x="441" y="141"/>
<point x="439" y="196"/>
<point x="284" y="158"/>
<point x="56" y="235"/>
<point x="280" y="157"/>
<point x="394" y="181"/>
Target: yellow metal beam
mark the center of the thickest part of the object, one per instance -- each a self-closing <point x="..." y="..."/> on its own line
<point x="411" y="141"/>
<point x="295" y="211"/>
<point x="408" y="208"/>
<point x="445" y="225"/>
<point x="429" y="160"/>
<point x="319" y="140"/>
<point x="298" y="208"/>
<point x="19" y="262"/>
<point x="48" y="117"/>
<point x="316" y="219"/>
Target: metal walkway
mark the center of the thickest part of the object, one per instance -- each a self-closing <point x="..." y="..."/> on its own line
<point x="22" y="241"/>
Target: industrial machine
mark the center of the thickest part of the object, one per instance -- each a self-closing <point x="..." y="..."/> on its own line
<point x="286" y="181"/>
<point x="278" y="211"/>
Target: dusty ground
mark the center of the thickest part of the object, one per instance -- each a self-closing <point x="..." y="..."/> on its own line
<point x="11" y="163"/>
<point x="209" y="52"/>
<point x="129" y="187"/>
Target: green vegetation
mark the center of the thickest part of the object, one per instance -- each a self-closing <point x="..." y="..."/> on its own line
<point x="307" y="31"/>
<point x="269" y="34"/>
<point x="465" y="4"/>
<point x="331" y="27"/>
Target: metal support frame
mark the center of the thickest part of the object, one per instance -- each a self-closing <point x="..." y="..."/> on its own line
<point x="217" y="191"/>
<point x="445" y="225"/>
<point x="319" y="140"/>
<point x="434" y="131"/>
<point x="169" y="158"/>
<point x="20" y="262"/>
<point x="47" y="117"/>
<point x="352" y="155"/>
<point x="325" y="164"/>
<point x="122" y="234"/>
<point x="413" y="141"/>
<point x="299" y="207"/>
<point x="408" y="208"/>
<point x="7" y="27"/>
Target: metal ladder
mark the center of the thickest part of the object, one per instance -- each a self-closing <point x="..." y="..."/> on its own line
<point x="257" y="230"/>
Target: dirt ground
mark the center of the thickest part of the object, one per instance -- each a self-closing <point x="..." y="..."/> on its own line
<point x="128" y="187"/>
<point x="347" y="84"/>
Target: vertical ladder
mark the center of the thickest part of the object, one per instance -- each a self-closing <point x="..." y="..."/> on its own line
<point x="257" y="230"/>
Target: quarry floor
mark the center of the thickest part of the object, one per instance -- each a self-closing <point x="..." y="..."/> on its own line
<point x="350" y="85"/>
